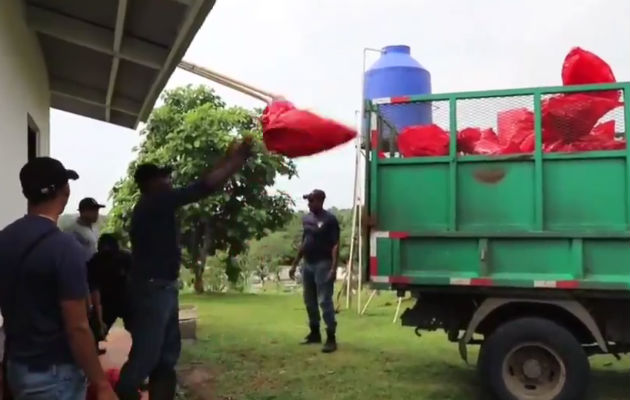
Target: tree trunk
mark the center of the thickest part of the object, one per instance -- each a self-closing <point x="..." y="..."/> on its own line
<point x="202" y="256"/>
<point x="199" y="287"/>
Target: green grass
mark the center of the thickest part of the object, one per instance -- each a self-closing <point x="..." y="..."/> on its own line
<point x="249" y="342"/>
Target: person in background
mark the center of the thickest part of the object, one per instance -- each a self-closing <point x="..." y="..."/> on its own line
<point x="154" y="233"/>
<point x="50" y="349"/>
<point x="108" y="274"/>
<point x="83" y="228"/>
<point x="320" y="250"/>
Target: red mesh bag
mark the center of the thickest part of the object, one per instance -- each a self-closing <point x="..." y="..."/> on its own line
<point x="516" y="131"/>
<point x="570" y="117"/>
<point x="478" y="141"/>
<point x="297" y="133"/>
<point x="602" y="137"/>
<point x="421" y="141"/>
<point x="582" y="67"/>
<point x="488" y="144"/>
<point x="466" y="140"/>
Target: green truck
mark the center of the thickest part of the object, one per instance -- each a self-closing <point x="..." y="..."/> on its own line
<point x="526" y="255"/>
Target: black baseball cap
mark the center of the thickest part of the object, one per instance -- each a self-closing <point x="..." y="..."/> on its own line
<point x="148" y="171"/>
<point x="89" y="203"/>
<point x="43" y="176"/>
<point x="315" y="194"/>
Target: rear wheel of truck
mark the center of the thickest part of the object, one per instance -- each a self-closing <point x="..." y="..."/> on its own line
<point x="534" y="359"/>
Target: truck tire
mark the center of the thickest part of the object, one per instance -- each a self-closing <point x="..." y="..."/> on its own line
<point x="534" y="359"/>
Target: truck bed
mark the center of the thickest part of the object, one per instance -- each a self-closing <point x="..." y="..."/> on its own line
<point x="532" y="220"/>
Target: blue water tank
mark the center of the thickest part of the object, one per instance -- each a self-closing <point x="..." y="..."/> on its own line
<point x="396" y="74"/>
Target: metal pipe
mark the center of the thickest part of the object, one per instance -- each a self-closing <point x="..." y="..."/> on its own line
<point x="227" y="81"/>
<point x="361" y="197"/>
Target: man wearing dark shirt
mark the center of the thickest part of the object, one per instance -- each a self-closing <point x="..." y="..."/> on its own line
<point x="43" y="291"/>
<point x="320" y="250"/>
<point x="153" y="319"/>
<point x="108" y="273"/>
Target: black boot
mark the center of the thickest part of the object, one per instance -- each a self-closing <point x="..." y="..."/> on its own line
<point x="331" y="342"/>
<point x="162" y="385"/>
<point x="315" y="337"/>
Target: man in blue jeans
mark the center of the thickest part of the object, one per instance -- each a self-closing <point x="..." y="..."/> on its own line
<point x="50" y="350"/>
<point x="153" y="296"/>
<point x="320" y="250"/>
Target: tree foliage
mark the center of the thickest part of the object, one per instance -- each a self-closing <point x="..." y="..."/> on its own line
<point x="191" y="131"/>
<point x="266" y="255"/>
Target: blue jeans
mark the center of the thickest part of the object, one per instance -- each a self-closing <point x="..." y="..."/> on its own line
<point x="58" y="382"/>
<point x="318" y="290"/>
<point x="154" y="325"/>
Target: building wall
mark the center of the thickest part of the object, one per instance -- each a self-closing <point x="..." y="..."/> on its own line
<point x="24" y="100"/>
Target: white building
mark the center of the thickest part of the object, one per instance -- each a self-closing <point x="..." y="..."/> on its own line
<point x="104" y="59"/>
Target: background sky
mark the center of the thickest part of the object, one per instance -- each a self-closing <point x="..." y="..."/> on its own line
<point x="311" y="52"/>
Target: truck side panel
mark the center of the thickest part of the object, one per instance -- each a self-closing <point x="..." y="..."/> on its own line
<point x="548" y="220"/>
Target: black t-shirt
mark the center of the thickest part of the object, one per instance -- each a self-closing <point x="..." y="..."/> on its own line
<point x="108" y="273"/>
<point x="321" y="234"/>
<point x="54" y="271"/>
<point x="155" y="232"/>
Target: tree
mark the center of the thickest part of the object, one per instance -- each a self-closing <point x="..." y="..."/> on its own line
<point x="191" y="132"/>
<point x="265" y="256"/>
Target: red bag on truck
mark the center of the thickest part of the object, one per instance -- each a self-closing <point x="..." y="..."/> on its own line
<point x="297" y="133"/>
<point x="423" y="140"/>
<point x="516" y="131"/>
<point x="467" y="139"/>
<point x="602" y="137"/>
<point x="581" y="67"/>
<point x="570" y="117"/>
<point x="477" y="141"/>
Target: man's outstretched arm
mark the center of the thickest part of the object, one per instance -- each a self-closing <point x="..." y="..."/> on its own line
<point x="214" y="178"/>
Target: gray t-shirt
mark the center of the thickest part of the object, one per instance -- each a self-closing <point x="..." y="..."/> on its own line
<point x="86" y="235"/>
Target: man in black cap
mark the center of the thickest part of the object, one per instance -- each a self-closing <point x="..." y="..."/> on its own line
<point x="153" y="319"/>
<point x="83" y="228"/>
<point x="320" y="250"/>
<point x="43" y="290"/>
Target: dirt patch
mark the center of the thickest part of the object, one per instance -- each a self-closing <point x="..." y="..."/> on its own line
<point x="199" y="382"/>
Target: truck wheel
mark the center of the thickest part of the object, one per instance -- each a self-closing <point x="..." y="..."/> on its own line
<point x="534" y="359"/>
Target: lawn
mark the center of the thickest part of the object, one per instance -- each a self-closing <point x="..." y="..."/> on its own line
<point x="249" y="345"/>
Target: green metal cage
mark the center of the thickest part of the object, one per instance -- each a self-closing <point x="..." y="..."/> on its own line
<point x="553" y="220"/>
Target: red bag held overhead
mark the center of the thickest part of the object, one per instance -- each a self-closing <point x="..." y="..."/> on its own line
<point x="297" y="133"/>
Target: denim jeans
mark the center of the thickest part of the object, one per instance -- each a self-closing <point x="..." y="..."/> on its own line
<point x="318" y="291"/>
<point x="153" y="321"/>
<point x="58" y="382"/>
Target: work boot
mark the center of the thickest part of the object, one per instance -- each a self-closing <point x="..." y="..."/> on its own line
<point x="315" y="337"/>
<point x="331" y="342"/>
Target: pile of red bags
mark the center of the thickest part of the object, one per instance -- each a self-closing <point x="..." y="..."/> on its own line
<point x="570" y="122"/>
<point x="297" y="133"/>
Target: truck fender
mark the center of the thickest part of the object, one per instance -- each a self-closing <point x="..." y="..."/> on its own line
<point x="492" y="304"/>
